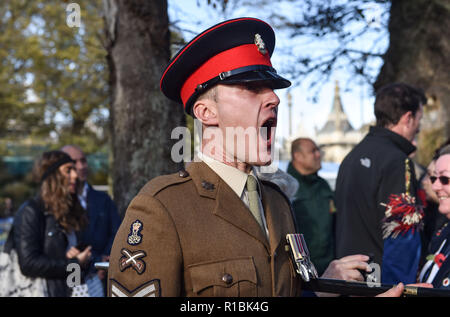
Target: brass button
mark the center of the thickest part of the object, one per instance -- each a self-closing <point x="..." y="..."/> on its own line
<point x="183" y="173"/>
<point x="227" y="279"/>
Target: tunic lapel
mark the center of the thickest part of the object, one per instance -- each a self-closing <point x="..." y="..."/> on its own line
<point x="228" y="205"/>
<point x="275" y="222"/>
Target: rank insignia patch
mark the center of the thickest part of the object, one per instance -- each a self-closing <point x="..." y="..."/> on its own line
<point x="132" y="259"/>
<point x="149" y="289"/>
<point x="135" y="236"/>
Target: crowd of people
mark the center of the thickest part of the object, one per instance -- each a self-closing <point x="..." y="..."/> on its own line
<point x="67" y="221"/>
<point x="218" y="227"/>
<point x="383" y="208"/>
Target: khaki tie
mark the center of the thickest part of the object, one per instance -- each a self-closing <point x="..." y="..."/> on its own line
<point x="253" y="200"/>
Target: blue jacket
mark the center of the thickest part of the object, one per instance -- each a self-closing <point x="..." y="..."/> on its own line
<point x="104" y="221"/>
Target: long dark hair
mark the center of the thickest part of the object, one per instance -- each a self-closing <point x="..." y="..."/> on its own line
<point x="55" y="194"/>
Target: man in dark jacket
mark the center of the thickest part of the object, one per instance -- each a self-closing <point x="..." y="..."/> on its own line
<point x="313" y="203"/>
<point x="378" y="211"/>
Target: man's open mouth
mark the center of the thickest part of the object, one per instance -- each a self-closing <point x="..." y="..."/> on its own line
<point x="266" y="129"/>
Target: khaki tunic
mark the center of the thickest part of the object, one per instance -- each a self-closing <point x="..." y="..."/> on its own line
<point x="197" y="238"/>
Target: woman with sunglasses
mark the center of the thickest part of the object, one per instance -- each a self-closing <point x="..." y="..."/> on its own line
<point x="437" y="268"/>
<point x="45" y="227"/>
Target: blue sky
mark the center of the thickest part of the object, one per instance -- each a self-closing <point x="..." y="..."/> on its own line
<point x="193" y="16"/>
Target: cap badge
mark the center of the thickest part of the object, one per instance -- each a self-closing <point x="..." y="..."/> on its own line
<point x="260" y="44"/>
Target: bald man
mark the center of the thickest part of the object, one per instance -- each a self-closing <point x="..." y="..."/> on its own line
<point x="104" y="219"/>
<point x="313" y="203"/>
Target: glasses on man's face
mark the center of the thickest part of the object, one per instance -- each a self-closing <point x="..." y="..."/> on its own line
<point x="443" y="179"/>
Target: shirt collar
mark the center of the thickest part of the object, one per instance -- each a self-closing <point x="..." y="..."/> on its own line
<point x="85" y="190"/>
<point x="234" y="178"/>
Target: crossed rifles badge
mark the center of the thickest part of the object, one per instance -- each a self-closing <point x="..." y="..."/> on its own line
<point x="132" y="259"/>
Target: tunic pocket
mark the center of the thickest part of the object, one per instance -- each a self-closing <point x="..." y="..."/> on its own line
<point x="228" y="277"/>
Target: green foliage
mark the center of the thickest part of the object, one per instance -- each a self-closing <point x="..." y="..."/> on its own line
<point x="53" y="79"/>
<point x="16" y="117"/>
<point x="53" y="85"/>
<point x="70" y="71"/>
<point x="18" y="188"/>
<point x="429" y="141"/>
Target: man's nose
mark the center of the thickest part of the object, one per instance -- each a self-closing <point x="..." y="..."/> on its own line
<point x="272" y="100"/>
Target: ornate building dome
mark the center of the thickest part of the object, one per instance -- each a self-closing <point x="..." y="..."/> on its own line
<point x="337" y="137"/>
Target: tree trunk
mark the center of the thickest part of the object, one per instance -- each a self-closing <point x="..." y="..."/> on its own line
<point x="418" y="54"/>
<point x="142" y="118"/>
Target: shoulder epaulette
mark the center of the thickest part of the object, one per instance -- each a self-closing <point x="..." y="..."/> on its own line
<point x="159" y="183"/>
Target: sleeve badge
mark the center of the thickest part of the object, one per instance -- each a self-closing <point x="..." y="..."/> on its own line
<point x="135" y="236"/>
<point x="148" y="289"/>
<point x="132" y="259"/>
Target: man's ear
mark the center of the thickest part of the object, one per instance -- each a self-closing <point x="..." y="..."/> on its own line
<point x="407" y="118"/>
<point x="403" y="125"/>
<point x="205" y="110"/>
<point x="298" y="156"/>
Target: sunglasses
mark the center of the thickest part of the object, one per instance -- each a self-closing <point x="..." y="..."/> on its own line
<point x="443" y="179"/>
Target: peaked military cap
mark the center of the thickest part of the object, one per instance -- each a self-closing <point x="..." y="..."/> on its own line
<point x="233" y="51"/>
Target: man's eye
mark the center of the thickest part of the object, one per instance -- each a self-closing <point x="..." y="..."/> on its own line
<point x="254" y="87"/>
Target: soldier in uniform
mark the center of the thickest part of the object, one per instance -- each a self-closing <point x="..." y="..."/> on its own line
<point x="215" y="229"/>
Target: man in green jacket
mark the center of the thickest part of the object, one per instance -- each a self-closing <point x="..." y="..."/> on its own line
<point x="313" y="203"/>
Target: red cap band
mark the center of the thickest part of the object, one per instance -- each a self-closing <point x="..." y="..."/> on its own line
<point x="236" y="57"/>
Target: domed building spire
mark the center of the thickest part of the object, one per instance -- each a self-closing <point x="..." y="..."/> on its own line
<point x="337" y="137"/>
<point x="337" y="119"/>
